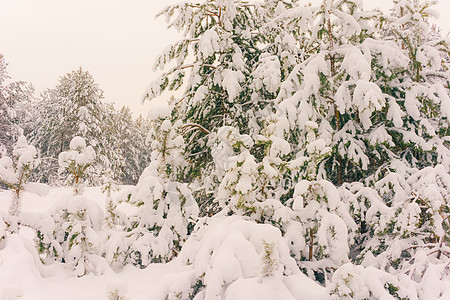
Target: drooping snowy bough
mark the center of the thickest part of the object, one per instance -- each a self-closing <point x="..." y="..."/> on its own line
<point x="235" y="258"/>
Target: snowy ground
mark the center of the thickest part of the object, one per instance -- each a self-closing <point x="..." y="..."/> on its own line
<point x="23" y="276"/>
<point x="228" y="252"/>
<point x="18" y="275"/>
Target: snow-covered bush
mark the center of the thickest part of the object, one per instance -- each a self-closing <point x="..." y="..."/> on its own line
<point x="425" y="276"/>
<point x="76" y="162"/>
<point x="235" y="258"/>
<point x="115" y="246"/>
<point x="429" y="269"/>
<point x="165" y="216"/>
<point x="416" y="218"/>
<point x="315" y="220"/>
<point x="113" y="236"/>
<point x="324" y="228"/>
<point x="109" y="184"/>
<point x="117" y="291"/>
<point x="14" y="173"/>
<point x="166" y="209"/>
<point x="358" y="282"/>
<point x="72" y="235"/>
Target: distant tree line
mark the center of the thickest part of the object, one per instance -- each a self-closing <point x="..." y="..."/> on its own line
<point x="74" y="107"/>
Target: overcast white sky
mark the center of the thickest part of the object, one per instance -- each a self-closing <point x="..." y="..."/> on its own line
<point x="115" y="40"/>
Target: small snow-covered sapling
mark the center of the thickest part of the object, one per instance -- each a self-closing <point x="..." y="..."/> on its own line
<point x="14" y="173"/>
<point x="109" y="184"/>
<point x="76" y="161"/>
<point x="117" y="290"/>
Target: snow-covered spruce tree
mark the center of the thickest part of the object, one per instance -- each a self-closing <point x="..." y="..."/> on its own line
<point x="230" y="71"/>
<point x="421" y="87"/>
<point x="166" y="210"/>
<point x="231" y="99"/>
<point x="109" y="185"/>
<point x="138" y="153"/>
<point x="71" y="109"/>
<point x="235" y="142"/>
<point x="72" y="233"/>
<point x="327" y="101"/>
<point x="14" y="173"/>
<point x="114" y="236"/>
<point x="361" y="149"/>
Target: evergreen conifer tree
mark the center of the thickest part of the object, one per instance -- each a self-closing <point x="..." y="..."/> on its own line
<point x="329" y="122"/>
<point x="167" y="210"/>
<point x="14" y="173"/>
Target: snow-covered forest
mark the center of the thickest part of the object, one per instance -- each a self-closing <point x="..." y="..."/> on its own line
<point x="304" y="154"/>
